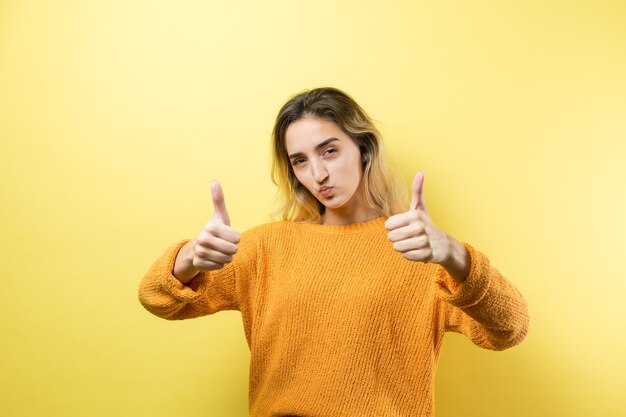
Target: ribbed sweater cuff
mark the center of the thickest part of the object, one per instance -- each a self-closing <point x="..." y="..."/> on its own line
<point x="470" y="291"/>
<point x="178" y="290"/>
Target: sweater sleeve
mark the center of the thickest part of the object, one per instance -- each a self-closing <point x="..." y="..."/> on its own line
<point x="486" y="307"/>
<point x="162" y="294"/>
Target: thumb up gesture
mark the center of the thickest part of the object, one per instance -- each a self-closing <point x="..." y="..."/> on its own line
<point x="217" y="242"/>
<point x="213" y="248"/>
<point x="413" y="233"/>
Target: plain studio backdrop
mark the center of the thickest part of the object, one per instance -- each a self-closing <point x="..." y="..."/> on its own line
<point x="116" y="115"/>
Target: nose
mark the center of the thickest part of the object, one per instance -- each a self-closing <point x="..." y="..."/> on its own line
<point x="318" y="170"/>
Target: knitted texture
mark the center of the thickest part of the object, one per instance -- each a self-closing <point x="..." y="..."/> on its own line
<point x="338" y="322"/>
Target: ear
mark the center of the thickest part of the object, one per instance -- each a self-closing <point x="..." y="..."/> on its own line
<point x="365" y="158"/>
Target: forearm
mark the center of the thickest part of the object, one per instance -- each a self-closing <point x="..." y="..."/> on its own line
<point x="164" y="295"/>
<point x="486" y="306"/>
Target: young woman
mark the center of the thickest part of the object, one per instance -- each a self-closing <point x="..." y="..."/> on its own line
<point x="346" y="299"/>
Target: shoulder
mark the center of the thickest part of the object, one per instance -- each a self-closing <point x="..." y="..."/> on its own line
<point x="273" y="228"/>
<point x="272" y="236"/>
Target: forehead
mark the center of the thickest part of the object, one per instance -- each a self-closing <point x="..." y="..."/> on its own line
<point x="309" y="131"/>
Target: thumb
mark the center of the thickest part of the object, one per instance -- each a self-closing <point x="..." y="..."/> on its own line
<point x="417" y="192"/>
<point x="219" y="206"/>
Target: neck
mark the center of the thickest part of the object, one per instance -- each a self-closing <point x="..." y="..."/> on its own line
<point x="339" y="218"/>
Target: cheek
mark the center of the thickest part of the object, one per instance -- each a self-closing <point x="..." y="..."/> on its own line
<point x="303" y="181"/>
<point x="302" y="175"/>
<point x="354" y="169"/>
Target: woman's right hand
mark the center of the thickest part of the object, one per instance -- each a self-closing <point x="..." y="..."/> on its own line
<point x="213" y="248"/>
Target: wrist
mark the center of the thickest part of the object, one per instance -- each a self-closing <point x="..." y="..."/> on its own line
<point x="184" y="270"/>
<point x="458" y="261"/>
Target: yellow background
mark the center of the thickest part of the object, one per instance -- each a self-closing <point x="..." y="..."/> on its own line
<point x="116" y="115"/>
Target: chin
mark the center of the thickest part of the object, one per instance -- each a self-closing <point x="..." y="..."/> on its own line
<point x="328" y="204"/>
<point x="334" y="205"/>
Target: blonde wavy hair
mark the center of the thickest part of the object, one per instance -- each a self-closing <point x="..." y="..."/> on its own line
<point x="382" y="188"/>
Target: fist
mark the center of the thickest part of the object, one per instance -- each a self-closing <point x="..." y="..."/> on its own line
<point x="217" y="242"/>
<point x="413" y="234"/>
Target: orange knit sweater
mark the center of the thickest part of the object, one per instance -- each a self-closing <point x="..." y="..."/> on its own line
<point x="339" y="323"/>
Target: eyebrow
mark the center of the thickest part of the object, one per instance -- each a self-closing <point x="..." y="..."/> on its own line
<point x="319" y="146"/>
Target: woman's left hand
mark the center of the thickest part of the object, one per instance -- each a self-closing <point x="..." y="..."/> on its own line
<point x="415" y="236"/>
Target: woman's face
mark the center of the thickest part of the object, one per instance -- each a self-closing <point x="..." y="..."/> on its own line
<point x="326" y="161"/>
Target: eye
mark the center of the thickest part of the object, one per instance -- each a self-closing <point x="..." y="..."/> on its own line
<point x="296" y="162"/>
<point x="330" y="150"/>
